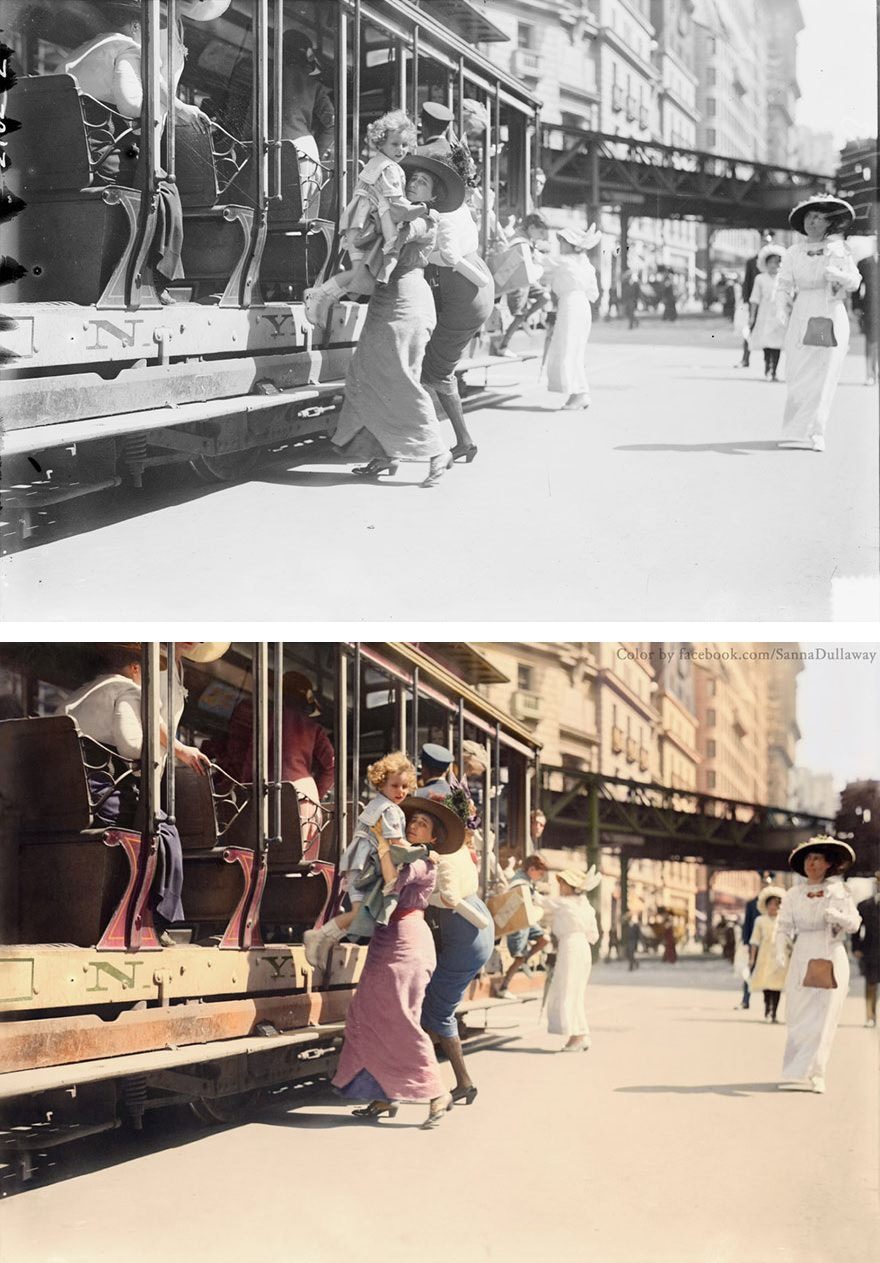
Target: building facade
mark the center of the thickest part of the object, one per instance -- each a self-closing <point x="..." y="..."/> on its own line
<point x="783" y="21"/>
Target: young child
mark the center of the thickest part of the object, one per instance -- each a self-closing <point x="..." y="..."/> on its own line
<point x="369" y="224"/>
<point x="370" y="862"/>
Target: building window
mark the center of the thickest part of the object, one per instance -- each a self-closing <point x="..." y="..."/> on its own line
<point x="713" y="685"/>
<point x="710" y="76"/>
<point x="524" y="677"/>
<point x="710" y="749"/>
<point x="710" y="780"/>
<point x="710" y="717"/>
<point x="710" y="137"/>
<point x="710" y="106"/>
<point x="525" y="35"/>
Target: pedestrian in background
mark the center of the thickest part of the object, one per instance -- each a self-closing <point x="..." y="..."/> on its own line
<point x="523" y="944"/>
<point x="866" y="302"/>
<point x="751" y="271"/>
<point x="814" y="918"/>
<point x="816" y="273"/>
<point x="750" y="916"/>
<point x="573" y="925"/>
<point x="632" y="939"/>
<point x="767" y="975"/>
<point x="866" y="949"/>
<point x="630" y="294"/>
<point x="573" y="280"/>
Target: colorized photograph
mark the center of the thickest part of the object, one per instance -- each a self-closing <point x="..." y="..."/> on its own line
<point x="269" y="909"/>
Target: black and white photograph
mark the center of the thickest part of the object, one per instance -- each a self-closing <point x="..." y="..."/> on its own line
<point x="600" y="275"/>
<point x="603" y="916"/>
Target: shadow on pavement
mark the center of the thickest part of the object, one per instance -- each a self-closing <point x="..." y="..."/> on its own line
<point x="702" y="1089"/>
<point x="724" y="449"/>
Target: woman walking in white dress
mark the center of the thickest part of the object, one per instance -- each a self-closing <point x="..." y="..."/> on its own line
<point x="573" y="280"/>
<point x="766" y="330"/>
<point x="573" y="924"/>
<point x="815" y="275"/>
<point x="814" y="919"/>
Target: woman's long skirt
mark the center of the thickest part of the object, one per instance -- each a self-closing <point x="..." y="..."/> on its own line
<point x="567" y="357"/>
<point x="812" y="1014"/>
<point x="566" y="999"/>
<point x="463" y="953"/>
<point x="386" y="1054"/>
<point x="384" y="397"/>
<point x="812" y="372"/>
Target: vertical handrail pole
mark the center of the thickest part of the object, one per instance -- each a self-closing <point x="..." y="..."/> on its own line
<point x="340" y="788"/>
<point x="459" y="738"/>
<point x="487" y="184"/>
<point x="414" y="107"/>
<point x="277" y="737"/>
<point x="260" y="666"/>
<point x="536" y="161"/>
<point x="487" y="827"/>
<point x="261" y="99"/>
<point x="414" y="717"/>
<point x="171" y="122"/>
<point x="151" y="762"/>
<point x="278" y="67"/>
<point x="401" y="74"/>
<point x="356" y="729"/>
<point x="460" y="118"/>
<point x="356" y="85"/>
<point x="496" y="128"/>
<point x="150" y="106"/>
<point x="170" y="784"/>
<point x="497" y="813"/>
<point x="342" y="161"/>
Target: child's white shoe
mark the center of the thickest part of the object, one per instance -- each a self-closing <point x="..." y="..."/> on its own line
<point x="317" y="946"/>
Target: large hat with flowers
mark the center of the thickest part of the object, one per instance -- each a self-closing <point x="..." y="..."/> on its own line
<point x="452" y="823"/>
<point x="580" y="880"/>
<point x="842" y="214"/>
<point x="449" y="187"/>
<point x="840" y="854"/>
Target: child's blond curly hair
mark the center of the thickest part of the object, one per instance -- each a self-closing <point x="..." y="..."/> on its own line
<point x="378" y="773"/>
<point x="394" y="121"/>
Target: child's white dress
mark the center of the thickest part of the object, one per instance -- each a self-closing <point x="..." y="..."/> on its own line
<point x="368" y="231"/>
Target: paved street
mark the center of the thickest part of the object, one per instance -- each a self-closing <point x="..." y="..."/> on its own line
<point x="667" y="499"/>
<point x="666" y="1143"/>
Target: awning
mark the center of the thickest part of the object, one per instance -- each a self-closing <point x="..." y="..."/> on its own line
<point x="473" y="667"/>
<point x="468" y="19"/>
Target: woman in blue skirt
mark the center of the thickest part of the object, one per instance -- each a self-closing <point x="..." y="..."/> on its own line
<point x="466" y="934"/>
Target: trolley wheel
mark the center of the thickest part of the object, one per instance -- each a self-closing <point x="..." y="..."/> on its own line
<point x="225" y="1109"/>
<point x="230" y="467"/>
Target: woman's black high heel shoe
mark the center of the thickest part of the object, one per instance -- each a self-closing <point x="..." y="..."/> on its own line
<point x="465" y="1094"/>
<point x="467" y="450"/>
<point x="376" y="1109"/>
<point x="374" y="468"/>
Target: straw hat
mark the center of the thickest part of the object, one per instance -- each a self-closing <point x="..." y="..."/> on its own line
<point x="203" y="10"/>
<point x="769" y="892"/>
<point x="452" y="823"/>
<point x="765" y="253"/>
<point x="839" y="853"/>
<point x="477" y="752"/>
<point x="449" y="187"/>
<point x="207" y="651"/>
<point x="579" y="238"/>
<point x="580" y="880"/>
<point x="841" y="212"/>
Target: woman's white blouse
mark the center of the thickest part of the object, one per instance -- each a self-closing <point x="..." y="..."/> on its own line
<point x="572" y="914"/>
<point x="812" y="265"/>
<point x="457" y="237"/>
<point x="456" y="879"/>
<point x="803" y="912"/>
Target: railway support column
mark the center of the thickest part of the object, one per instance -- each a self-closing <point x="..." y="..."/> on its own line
<point x="624" y="885"/>
<point x="594" y="857"/>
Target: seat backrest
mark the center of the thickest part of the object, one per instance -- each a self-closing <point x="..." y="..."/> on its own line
<point x="289" y="851"/>
<point x="49" y="152"/>
<point x="43" y="776"/>
<point x="194" y="168"/>
<point x="194" y="809"/>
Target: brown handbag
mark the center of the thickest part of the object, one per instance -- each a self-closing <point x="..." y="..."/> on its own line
<point x="820" y="332"/>
<point x="820" y="973"/>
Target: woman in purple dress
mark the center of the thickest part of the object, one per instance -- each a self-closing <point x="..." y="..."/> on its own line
<point x="387" y="1057"/>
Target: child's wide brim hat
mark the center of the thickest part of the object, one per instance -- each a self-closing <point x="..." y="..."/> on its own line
<point x="767" y="252"/>
<point x="841" y="212"/>
<point x="207" y="651"/>
<point x="453" y="824"/>
<point x="769" y="892"/>
<point x="449" y="187"/>
<point x="839" y="853"/>
<point x="581" y="239"/>
<point x="203" y="10"/>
